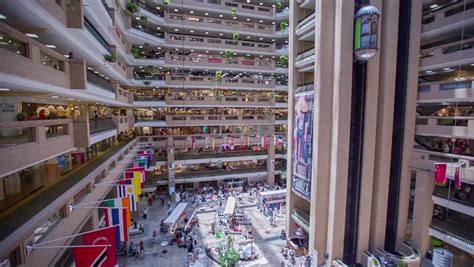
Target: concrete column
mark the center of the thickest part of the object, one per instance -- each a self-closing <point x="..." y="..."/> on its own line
<point x="171" y="169"/>
<point x="410" y="111"/>
<point x="422" y="211"/>
<point x="344" y="11"/>
<point x="322" y="125"/>
<point x="386" y="97"/>
<point x="271" y="161"/>
<point x="2" y="189"/>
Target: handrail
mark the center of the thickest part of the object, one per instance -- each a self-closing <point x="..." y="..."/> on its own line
<point x="453" y="6"/>
<point x="33" y="123"/>
<point x="460" y="42"/>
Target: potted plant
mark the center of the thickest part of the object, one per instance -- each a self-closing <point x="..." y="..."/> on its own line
<point x="282" y="60"/>
<point x="228" y="55"/>
<point x="218" y="76"/>
<point x="235" y="37"/>
<point x="143" y="18"/>
<point x="166" y="2"/>
<point x="146" y="82"/>
<point x="132" y="7"/>
<point x="283" y="26"/>
<point x="112" y="57"/>
<point x="135" y="52"/>
<point x="233" y="11"/>
<point x="150" y="68"/>
<point x="279" y="6"/>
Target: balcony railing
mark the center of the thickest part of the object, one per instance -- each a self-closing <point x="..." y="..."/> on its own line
<point x="446" y="90"/>
<point x="187" y="120"/>
<point x="448" y="16"/>
<point x="301" y="218"/>
<point x="227" y="5"/>
<point x="233" y="25"/>
<point x="95" y="33"/>
<point x="304" y="25"/>
<point x="46" y="137"/>
<point x="462" y="127"/>
<point x="458" y="226"/>
<point x="220" y="100"/>
<point x="227" y="154"/>
<point x="450" y="52"/>
<point x="220" y="62"/>
<point x="99" y="81"/>
<point x="98" y="125"/>
<point x="437" y="230"/>
<point x="219" y="172"/>
<point x="306" y="57"/>
<point x="189" y="40"/>
<point x="224" y="82"/>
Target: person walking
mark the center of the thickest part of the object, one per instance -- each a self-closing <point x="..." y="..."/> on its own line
<point x="162" y="199"/>
<point x="145" y="213"/>
<point x="142" y="247"/>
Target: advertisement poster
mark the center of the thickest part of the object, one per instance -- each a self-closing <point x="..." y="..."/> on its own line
<point x="303" y="143"/>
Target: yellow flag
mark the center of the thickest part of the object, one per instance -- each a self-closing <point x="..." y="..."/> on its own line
<point x="139" y="175"/>
<point x="137" y="183"/>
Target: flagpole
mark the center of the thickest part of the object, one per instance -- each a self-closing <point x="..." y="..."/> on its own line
<point x="94" y="202"/>
<point x="69" y="236"/>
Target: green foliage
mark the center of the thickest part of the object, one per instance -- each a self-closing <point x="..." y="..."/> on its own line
<point x="150" y="68"/>
<point x="229" y="258"/>
<point x="135" y="52"/>
<point x="218" y="79"/>
<point x="143" y="18"/>
<point x="233" y="11"/>
<point x="283" y="26"/>
<point x="228" y="54"/>
<point x="166" y="2"/>
<point x="146" y="82"/>
<point x="279" y="6"/>
<point x="282" y="60"/>
<point x="235" y="37"/>
<point x="112" y="57"/>
<point x="132" y="7"/>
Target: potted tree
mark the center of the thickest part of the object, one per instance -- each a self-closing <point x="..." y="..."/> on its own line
<point x="112" y="57"/>
<point x="228" y="55"/>
<point x="135" y="52"/>
<point x="235" y="37"/>
<point x="233" y="11"/>
<point x="146" y="82"/>
<point x="132" y="7"/>
<point x="283" y="26"/>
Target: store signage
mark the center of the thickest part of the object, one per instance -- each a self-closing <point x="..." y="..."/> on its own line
<point x="7" y="108"/>
<point x="456" y="85"/>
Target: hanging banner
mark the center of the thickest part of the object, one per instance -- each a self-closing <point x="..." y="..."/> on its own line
<point x="303" y="144"/>
<point x="97" y="256"/>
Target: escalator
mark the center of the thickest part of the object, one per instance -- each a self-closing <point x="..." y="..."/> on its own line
<point x="424" y="142"/>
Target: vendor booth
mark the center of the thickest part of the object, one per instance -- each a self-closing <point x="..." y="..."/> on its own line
<point x="270" y="201"/>
<point x="176" y="219"/>
<point x="234" y="185"/>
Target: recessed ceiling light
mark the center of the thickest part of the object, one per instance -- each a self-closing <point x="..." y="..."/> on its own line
<point x="137" y="18"/>
<point x="260" y="21"/>
<point x="140" y="46"/>
<point x="191" y="31"/>
<point x="177" y="49"/>
<point x="66" y="56"/>
<point x="32" y="35"/>
<point x="141" y="67"/>
<point x="70" y="99"/>
<point x="207" y="14"/>
<point x="434" y="6"/>
<point x="50" y="46"/>
<point x="106" y="78"/>
<point x="5" y="89"/>
<point x="260" y="38"/>
<point x="273" y="40"/>
<point x="191" y="12"/>
<point x="220" y="16"/>
<point x="192" y="50"/>
<point x="96" y="72"/>
<point x="221" y="52"/>
<point x="428" y="71"/>
<point x="248" y="37"/>
<point x="89" y="68"/>
<point x="159" y="47"/>
<point x="446" y="68"/>
<point x="248" y="1"/>
<point x="2" y="16"/>
<point x="54" y="96"/>
<point x="102" y="75"/>
<point x="176" y="30"/>
<point x="248" y="19"/>
<point x="221" y="34"/>
<point x="176" y="10"/>
<point x="207" y="51"/>
<point x="261" y="4"/>
<point x="158" y="7"/>
<point x="248" y="55"/>
<point x="158" y="28"/>
<point x="206" y="33"/>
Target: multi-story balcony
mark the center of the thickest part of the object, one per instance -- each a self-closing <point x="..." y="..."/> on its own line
<point x="47" y="138"/>
<point x="229" y="101"/>
<point x="123" y="123"/>
<point x="220" y="174"/>
<point x="305" y="61"/>
<point x="226" y="6"/>
<point x="305" y="28"/>
<point x="448" y="19"/>
<point x="446" y="91"/>
<point x="190" y="41"/>
<point x="425" y="160"/>
<point x="462" y="127"/>
<point x="453" y="199"/>
<point x="309" y="4"/>
<point x="448" y="55"/>
<point x="301" y="218"/>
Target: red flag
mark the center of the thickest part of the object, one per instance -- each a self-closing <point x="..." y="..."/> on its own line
<point x="90" y="256"/>
<point x="105" y="236"/>
<point x="440" y="173"/>
<point x="457" y="179"/>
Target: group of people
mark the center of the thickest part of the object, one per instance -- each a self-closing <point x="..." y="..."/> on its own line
<point x="136" y="249"/>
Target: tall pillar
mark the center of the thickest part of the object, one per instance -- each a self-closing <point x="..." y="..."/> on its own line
<point x="2" y="189"/>
<point x="271" y="161"/>
<point x="171" y="172"/>
<point x="422" y="211"/>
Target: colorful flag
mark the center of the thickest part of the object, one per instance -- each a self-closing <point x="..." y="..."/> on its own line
<point x="440" y="173"/>
<point x="128" y="190"/>
<point x="122" y="203"/>
<point x="115" y="216"/>
<point x="97" y="256"/>
<point x="137" y="183"/>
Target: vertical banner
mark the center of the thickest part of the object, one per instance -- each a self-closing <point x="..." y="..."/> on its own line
<point x="303" y="144"/>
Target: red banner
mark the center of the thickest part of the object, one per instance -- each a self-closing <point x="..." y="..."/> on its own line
<point x="104" y="236"/>
<point x="90" y="256"/>
<point x="440" y="173"/>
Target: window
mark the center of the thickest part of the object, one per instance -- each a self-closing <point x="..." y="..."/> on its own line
<point x="51" y="61"/>
<point x="56" y="130"/>
<point x="13" y="45"/>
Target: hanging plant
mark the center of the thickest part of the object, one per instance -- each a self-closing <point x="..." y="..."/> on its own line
<point x="228" y="55"/>
<point x="282" y="60"/>
<point x="132" y="7"/>
<point x="135" y="52"/>
<point x="112" y="57"/>
<point x="218" y="77"/>
<point x="233" y="11"/>
<point x="279" y="6"/>
<point x="146" y="82"/>
<point x="143" y="18"/>
<point x="235" y="37"/>
<point x="166" y="2"/>
<point x="283" y="26"/>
